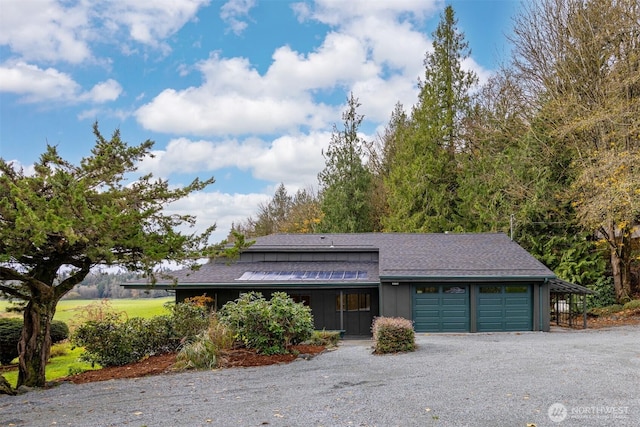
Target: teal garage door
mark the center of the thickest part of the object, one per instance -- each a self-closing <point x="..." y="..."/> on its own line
<point x="504" y="308"/>
<point x="441" y="308"/>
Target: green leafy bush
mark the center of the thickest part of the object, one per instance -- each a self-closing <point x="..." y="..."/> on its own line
<point x="108" y="342"/>
<point x="604" y="295"/>
<point x="59" y="331"/>
<point x="10" y="330"/>
<point x="113" y="340"/>
<point x="270" y="327"/>
<point x="393" y="335"/>
<point x="188" y="319"/>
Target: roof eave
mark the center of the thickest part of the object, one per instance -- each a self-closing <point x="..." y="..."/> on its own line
<point x="253" y="284"/>
<point x="465" y="278"/>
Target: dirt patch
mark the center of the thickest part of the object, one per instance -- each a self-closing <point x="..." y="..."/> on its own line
<point x="163" y="363"/>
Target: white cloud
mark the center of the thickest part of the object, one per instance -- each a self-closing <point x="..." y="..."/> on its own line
<point x="148" y="22"/>
<point x="295" y="160"/>
<point x="35" y="84"/>
<point x="234" y="12"/>
<point x="218" y="208"/>
<point x="375" y="51"/>
<point x="108" y="90"/>
<point x="58" y="30"/>
<point x="292" y="159"/>
<point x="46" y="30"/>
<point x="233" y="100"/>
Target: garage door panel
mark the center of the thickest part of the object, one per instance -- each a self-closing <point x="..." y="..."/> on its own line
<point x="455" y="302"/>
<point x="441" y="308"/>
<point x="504" y="308"/>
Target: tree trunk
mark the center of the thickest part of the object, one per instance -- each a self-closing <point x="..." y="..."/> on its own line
<point x="621" y="269"/>
<point x="35" y="342"/>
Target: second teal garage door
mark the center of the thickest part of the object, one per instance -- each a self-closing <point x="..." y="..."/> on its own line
<point x="441" y="308"/>
<point x="504" y="308"/>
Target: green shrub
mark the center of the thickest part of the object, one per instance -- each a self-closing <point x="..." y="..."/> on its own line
<point x="270" y="327"/>
<point x="113" y="340"/>
<point x="604" y="295"/>
<point x="59" y="331"/>
<point x="325" y="338"/>
<point x="189" y="319"/>
<point x="393" y="334"/>
<point x="632" y="305"/>
<point x="108" y="342"/>
<point x="10" y="330"/>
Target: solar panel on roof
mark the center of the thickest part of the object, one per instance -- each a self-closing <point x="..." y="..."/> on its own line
<point x="303" y="275"/>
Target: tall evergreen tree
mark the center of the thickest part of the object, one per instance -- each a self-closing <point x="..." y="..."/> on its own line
<point x="71" y="218"/>
<point x="422" y="184"/>
<point x="381" y="156"/>
<point x="271" y="216"/>
<point x="345" y="182"/>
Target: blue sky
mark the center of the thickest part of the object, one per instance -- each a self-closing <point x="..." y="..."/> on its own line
<point x="246" y="91"/>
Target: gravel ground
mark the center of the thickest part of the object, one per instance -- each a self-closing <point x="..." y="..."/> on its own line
<point x="487" y="379"/>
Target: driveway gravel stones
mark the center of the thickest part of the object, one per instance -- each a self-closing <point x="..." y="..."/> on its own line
<point x="560" y="378"/>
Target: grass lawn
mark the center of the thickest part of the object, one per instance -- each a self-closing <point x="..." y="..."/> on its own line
<point x="64" y="363"/>
<point x="134" y="307"/>
<point x="69" y="312"/>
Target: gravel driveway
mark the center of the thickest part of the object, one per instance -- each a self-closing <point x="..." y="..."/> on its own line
<point x="575" y="378"/>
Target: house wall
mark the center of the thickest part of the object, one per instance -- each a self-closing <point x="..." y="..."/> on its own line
<point x="395" y="300"/>
<point x="544" y="308"/>
<point x="323" y="302"/>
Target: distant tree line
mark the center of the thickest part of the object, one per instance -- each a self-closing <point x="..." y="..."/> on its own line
<point x="107" y="285"/>
<point x="548" y="149"/>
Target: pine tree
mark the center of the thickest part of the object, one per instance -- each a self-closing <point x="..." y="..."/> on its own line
<point x="345" y="182"/>
<point x="422" y="184"/>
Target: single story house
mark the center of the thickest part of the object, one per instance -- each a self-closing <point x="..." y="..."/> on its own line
<point x="443" y="282"/>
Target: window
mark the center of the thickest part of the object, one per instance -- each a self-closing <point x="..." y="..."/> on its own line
<point x="427" y="290"/>
<point x="517" y="289"/>
<point x="354" y="302"/>
<point x="454" y="290"/>
<point x="490" y="290"/>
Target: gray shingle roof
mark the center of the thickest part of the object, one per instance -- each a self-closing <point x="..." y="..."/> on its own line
<point x="443" y="255"/>
<point x="402" y="256"/>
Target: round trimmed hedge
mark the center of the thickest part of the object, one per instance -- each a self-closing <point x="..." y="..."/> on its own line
<point x="11" y="329"/>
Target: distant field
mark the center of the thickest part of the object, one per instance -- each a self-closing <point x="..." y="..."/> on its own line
<point x="134" y="307"/>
